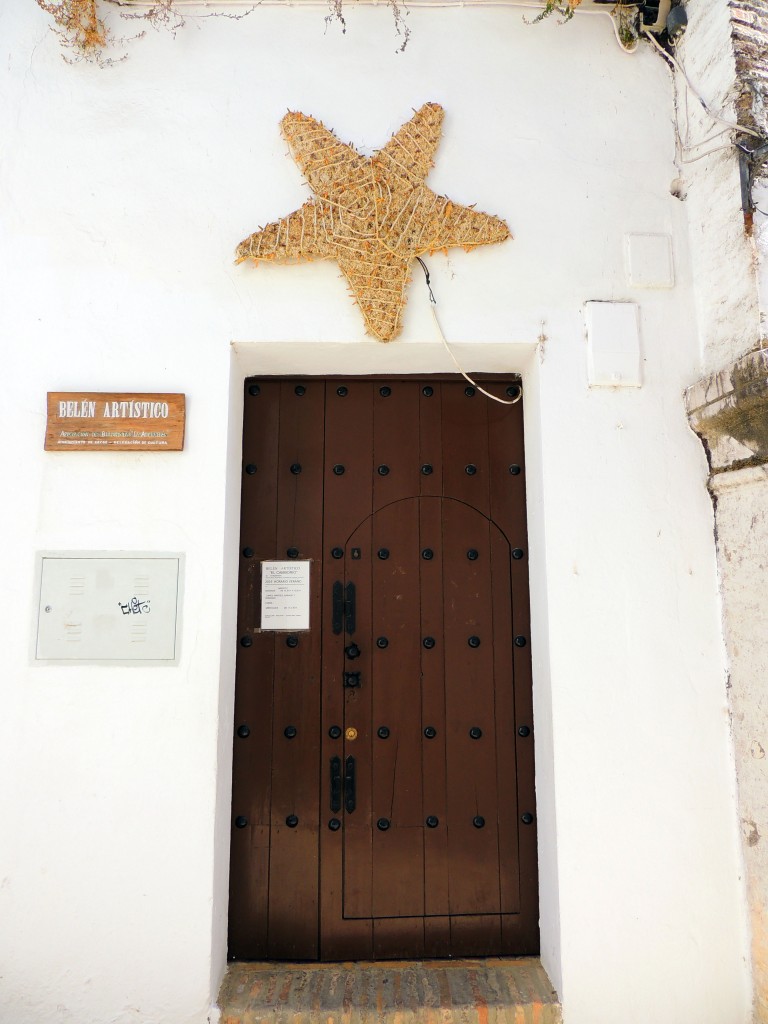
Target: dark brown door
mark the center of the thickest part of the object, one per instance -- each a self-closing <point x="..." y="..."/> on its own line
<point x="383" y="787"/>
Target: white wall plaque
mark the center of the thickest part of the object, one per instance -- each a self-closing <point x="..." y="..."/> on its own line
<point x="613" y="345"/>
<point x="109" y="608"/>
<point x="285" y="595"/>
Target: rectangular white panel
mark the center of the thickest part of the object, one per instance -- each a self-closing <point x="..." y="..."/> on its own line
<point x="121" y="609"/>
<point x="285" y="595"/>
<point x="613" y="345"/>
<point x="649" y="261"/>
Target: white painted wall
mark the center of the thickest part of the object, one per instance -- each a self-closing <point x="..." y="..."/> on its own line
<point x="124" y="192"/>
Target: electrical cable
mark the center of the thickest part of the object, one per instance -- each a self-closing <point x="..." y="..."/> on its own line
<point x="697" y="94"/>
<point x="433" y="308"/>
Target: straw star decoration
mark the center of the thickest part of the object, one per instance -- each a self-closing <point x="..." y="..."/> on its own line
<point x="373" y="215"/>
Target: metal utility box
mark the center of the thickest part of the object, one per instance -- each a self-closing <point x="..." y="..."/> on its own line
<point x="116" y="608"/>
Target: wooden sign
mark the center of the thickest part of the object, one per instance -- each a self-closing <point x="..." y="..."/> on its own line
<point x="95" y="421"/>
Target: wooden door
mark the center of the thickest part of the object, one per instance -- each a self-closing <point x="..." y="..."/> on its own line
<point x="383" y="800"/>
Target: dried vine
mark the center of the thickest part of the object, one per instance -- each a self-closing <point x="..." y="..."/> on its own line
<point x="78" y="23"/>
<point x="84" y="34"/>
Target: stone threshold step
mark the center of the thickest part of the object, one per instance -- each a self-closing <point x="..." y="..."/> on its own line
<point x="487" y="991"/>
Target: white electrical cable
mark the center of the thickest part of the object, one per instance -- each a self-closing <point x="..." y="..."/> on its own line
<point x="433" y="308"/>
<point x="697" y="94"/>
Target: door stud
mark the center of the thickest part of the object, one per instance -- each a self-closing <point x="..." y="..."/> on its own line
<point x="478" y="821"/>
<point x="334" y="824"/>
<point x="475" y="733"/>
<point x="382" y="642"/>
<point x="474" y="641"/>
<point x="382" y="732"/>
<point x="382" y="824"/>
<point x="432" y="821"/>
<point x="334" y="732"/>
<point x="244" y="732"/>
<point x="430" y="732"/>
<point x="291" y="821"/>
<point x="240" y="821"/>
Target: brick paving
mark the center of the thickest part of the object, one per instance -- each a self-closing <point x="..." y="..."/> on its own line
<point x="489" y="991"/>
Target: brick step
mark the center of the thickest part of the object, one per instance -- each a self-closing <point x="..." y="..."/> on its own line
<point x="492" y="991"/>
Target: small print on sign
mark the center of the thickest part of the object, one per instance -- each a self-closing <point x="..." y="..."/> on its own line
<point x="285" y="595"/>
<point x="92" y="421"/>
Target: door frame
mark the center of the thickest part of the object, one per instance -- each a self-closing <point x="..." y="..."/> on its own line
<point x="368" y="359"/>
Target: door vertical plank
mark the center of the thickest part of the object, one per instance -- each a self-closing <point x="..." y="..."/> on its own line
<point x="508" y="505"/>
<point x="396" y="467"/>
<point x="472" y="787"/>
<point x="398" y="851"/>
<point x="293" y="884"/>
<point x="433" y="734"/>
<point x="252" y="753"/>
<point x="430" y="438"/>
<point x="347" y="503"/>
<point x="465" y="446"/>
<point x="357" y="740"/>
<point x="508" y="812"/>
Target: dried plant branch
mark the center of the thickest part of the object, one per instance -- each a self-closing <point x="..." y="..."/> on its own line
<point x="77" y="22"/>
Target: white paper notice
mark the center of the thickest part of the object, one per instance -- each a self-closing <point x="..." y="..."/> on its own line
<point x="285" y="595"/>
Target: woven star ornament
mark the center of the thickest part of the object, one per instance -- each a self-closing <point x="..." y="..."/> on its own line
<point x="373" y="215"/>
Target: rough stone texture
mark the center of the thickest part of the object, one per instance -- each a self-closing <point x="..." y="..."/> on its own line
<point x="492" y="991"/>
<point x="742" y="521"/>
<point x="722" y="255"/>
<point x="729" y="411"/>
<point x="729" y="408"/>
<point x="749" y="21"/>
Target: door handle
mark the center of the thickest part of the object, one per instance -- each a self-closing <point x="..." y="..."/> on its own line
<point x="337" y="617"/>
<point x="349" y="608"/>
<point x="343" y="614"/>
<point x="335" y="784"/>
<point x="349" y="785"/>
